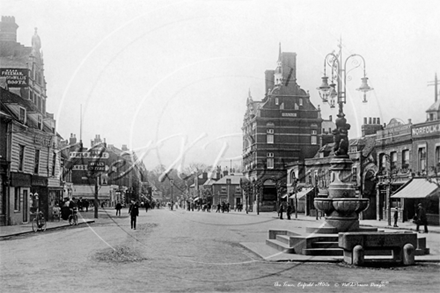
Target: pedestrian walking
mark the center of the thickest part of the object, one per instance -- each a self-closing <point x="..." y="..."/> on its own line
<point x="80" y="204"/>
<point x="421" y="218"/>
<point x="118" y="208"/>
<point x="396" y="216"/>
<point x="280" y="211"/>
<point x="133" y="211"/>
<point x="288" y="211"/>
<point x="86" y="205"/>
<point x="147" y="206"/>
<point x="218" y="208"/>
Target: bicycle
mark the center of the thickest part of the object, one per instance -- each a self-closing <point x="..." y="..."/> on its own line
<point x="39" y="222"/>
<point x="73" y="217"/>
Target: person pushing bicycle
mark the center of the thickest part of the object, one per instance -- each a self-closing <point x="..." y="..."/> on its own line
<point x="73" y="209"/>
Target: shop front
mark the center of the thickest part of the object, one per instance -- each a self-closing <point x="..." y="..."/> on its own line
<point x="419" y="190"/>
<point x="17" y="205"/>
<point x="39" y="196"/>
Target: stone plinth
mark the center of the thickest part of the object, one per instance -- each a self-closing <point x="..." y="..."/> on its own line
<point x="355" y="244"/>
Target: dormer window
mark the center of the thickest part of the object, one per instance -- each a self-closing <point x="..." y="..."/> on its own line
<point x="22" y="115"/>
<point x="300" y="101"/>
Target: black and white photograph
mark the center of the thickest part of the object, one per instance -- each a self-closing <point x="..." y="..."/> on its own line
<point x="219" y="146"/>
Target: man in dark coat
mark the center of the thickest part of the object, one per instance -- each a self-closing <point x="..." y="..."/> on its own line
<point x="281" y="211"/>
<point x="288" y="211"/>
<point x="396" y="216"/>
<point x="118" y="208"/>
<point x="133" y="211"/>
<point x="421" y="218"/>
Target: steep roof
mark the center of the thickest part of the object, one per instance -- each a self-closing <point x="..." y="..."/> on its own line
<point x="434" y="107"/>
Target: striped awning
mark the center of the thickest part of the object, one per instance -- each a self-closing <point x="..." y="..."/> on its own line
<point x="417" y="188"/>
<point x="302" y="193"/>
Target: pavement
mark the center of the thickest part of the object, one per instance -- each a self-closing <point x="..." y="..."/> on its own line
<point x="271" y="254"/>
<point x="7" y="232"/>
<point x="260" y="248"/>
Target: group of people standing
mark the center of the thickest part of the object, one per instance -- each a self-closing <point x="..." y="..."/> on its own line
<point x="285" y="208"/>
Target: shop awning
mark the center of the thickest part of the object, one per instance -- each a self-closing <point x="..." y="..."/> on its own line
<point x="302" y="193"/>
<point x="417" y="188"/>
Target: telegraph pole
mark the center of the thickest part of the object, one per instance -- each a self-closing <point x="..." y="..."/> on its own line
<point x="435" y="84"/>
<point x="96" y="196"/>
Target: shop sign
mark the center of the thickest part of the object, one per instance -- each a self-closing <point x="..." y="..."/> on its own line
<point x="96" y="166"/>
<point x="90" y="155"/>
<point x="429" y="129"/>
<point x="15" y="77"/>
<point x="20" y="179"/>
<point x="39" y="181"/>
<point x="396" y="130"/>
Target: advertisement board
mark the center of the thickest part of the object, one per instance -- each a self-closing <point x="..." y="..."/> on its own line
<point x="15" y="77"/>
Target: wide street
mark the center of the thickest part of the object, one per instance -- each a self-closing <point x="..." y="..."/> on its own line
<point x="181" y="251"/>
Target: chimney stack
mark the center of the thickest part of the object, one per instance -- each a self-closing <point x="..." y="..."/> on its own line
<point x="72" y="139"/>
<point x="372" y="126"/>
<point x="8" y="29"/>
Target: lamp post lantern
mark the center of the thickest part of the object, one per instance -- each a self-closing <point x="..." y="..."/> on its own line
<point x="342" y="208"/>
<point x="336" y="92"/>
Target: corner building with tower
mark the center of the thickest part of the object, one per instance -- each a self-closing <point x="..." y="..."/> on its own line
<point x="283" y="128"/>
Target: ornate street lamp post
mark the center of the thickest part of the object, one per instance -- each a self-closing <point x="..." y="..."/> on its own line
<point x="341" y="207"/>
<point x="330" y="92"/>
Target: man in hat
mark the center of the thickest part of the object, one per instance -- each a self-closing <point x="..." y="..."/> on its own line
<point x="134" y="212"/>
<point x="422" y="220"/>
<point x="396" y="216"/>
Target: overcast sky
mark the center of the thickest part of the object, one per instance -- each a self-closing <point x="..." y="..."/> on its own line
<point x="164" y="73"/>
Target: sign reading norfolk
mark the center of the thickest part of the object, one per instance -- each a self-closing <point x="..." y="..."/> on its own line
<point x="15" y="77"/>
<point x="426" y="129"/>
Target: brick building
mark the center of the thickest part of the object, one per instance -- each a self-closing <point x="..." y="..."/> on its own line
<point x="419" y="152"/>
<point x="282" y="128"/>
